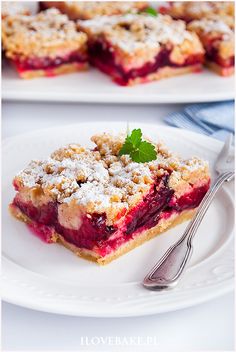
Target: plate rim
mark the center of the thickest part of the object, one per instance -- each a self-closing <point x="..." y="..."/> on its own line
<point x="147" y="311"/>
<point x="177" y="130"/>
<point x="103" y="99"/>
<point x="116" y="96"/>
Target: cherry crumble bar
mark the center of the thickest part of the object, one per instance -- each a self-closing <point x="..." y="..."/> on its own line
<point x="101" y="205"/>
<point x="46" y="44"/>
<point x="217" y="37"/>
<point x="86" y="10"/>
<point x="197" y="10"/>
<point x="136" y="48"/>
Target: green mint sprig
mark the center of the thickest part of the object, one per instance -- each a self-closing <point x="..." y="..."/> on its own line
<point x="151" y="11"/>
<point x="140" y="151"/>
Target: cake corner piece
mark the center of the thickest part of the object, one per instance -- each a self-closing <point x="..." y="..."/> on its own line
<point x="45" y="44"/>
<point x="100" y="204"/>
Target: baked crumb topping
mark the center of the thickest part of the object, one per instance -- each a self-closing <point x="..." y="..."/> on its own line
<point x="99" y="181"/>
<point x="131" y="31"/>
<point x="91" y="9"/>
<point x="200" y="9"/>
<point x="212" y="24"/>
<point x="47" y="34"/>
<point x="11" y="8"/>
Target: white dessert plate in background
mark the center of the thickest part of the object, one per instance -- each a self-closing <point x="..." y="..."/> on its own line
<point x="95" y="87"/>
<point x="52" y="279"/>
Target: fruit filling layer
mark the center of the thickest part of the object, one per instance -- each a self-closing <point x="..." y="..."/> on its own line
<point x="41" y="63"/>
<point x="103" y="57"/>
<point x="94" y="233"/>
<point x="212" y="54"/>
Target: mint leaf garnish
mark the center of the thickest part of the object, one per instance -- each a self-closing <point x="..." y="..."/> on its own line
<point x="126" y="148"/>
<point x="136" y="137"/>
<point x="140" y="151"/>
<point x="151" y="11"/>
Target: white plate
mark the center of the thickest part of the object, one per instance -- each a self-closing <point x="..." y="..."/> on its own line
<point x="51" y="278"/>
<point x="94" y="86"/>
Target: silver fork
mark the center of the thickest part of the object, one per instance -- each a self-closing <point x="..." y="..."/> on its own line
<point x="168" y="270"/>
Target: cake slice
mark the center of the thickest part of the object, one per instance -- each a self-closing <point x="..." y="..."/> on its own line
<point x="85" y="10"/>
<point x="101" y="204"/>
<point x="197" y="10"/>
<point x="141" y="48"/>
<point x="46" y="44"/>
<point x="217" y="37"/>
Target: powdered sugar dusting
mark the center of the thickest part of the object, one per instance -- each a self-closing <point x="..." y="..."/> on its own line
<point x="98" y="8"/>
<point x="10" y="8"/>
<point x="132" y="31"/>
<point x="99" y="180"/>
<point x="47" y="33"/>
<point x="208" y="25"/>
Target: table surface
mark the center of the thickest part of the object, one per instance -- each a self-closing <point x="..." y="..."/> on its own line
<point x="209" y="326"/>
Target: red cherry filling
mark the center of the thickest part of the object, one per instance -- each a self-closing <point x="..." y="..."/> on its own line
<point x="103" y="57"/>
<point x="41" y="63"/>
<point x="45" y="214"/>
<point x="148" y="212"/>
<point x="212" y="53"/>
<point x="92" y="230"/>
<point x="159" y="204"/>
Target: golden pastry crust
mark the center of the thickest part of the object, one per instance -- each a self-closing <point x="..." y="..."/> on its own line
<point x="47" y="34"/>
<point x="100" y="181"/>
<point x="222" y="71"/>
<point x="165" y="72"/>
<point x="137" y="39"/>
<point x="89" y="9"/>
<point x="61" y="70"/>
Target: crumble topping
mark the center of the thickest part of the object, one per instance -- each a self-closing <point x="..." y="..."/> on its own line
<point x="47" y="34"/>
<point x="131" y="31"/>
<point x="213" y="24"/>
<point x="10" y="8"/>
<point x="199" y="9"/>
<point x="92" y="9"/>
<point x="100" y="181"/>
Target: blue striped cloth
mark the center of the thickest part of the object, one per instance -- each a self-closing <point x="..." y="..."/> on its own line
<point x="212" y="119"/>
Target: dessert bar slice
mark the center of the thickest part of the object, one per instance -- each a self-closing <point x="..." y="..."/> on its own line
<point x="217" y="38"/>
<point x="139" y="48"/>
<point x="196" y="10"/>
<point x="46" y="44"/>
<point x="89" y="9"/>
<point x="101" y="205"/>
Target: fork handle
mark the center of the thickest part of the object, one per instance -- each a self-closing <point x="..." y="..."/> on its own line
<point x="166" y="273"/>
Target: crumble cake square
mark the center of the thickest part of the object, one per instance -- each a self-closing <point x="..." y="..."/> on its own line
<point x="85" y="10"/>
<point x="101" y="205"/>
<point x="45" y="44"/>
<point x="217" y="37"/>
<point x="197" y="10"/>
<point x="137" y="48"/>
